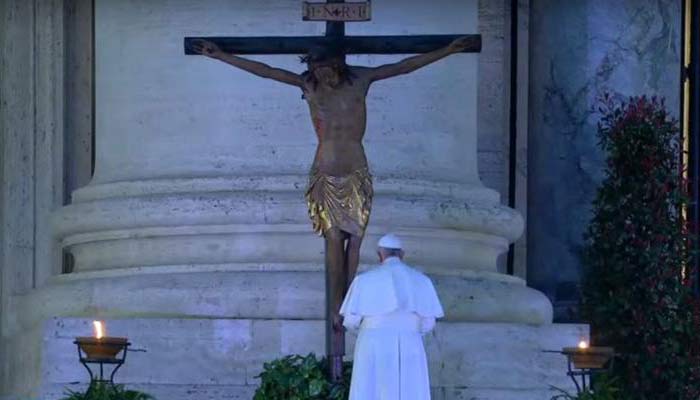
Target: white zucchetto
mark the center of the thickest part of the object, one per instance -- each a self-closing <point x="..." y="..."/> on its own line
<point x="390" y="241"/>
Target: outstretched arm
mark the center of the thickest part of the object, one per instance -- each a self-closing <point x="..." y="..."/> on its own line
<point x="210" y="49"/>
<point x="413" y="63"/>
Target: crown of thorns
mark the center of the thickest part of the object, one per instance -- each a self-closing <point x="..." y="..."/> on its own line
<point x="322" y="53"/>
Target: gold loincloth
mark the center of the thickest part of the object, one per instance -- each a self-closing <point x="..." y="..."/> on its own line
<point x="342" y="202"/>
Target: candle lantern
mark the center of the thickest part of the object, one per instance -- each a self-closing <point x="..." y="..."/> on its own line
<point x="584" y="361"/>
<point x="101" y="350"/>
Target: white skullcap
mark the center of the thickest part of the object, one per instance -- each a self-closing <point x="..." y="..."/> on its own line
<point x="390" y="241"/>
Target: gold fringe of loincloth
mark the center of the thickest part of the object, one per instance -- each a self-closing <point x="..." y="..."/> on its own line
<point x="342" y="202"/>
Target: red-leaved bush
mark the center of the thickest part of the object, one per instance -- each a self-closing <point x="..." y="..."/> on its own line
<point x="636" y="291"/>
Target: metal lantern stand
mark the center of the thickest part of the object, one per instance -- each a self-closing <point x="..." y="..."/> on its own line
<point x="107" y="353"/>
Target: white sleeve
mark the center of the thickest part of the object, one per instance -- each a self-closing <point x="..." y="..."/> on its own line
<point x="426" y="324"/>
<point x="352" y="321"/>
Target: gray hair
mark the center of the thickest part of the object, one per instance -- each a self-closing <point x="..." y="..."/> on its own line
<point x="388" y="252"/>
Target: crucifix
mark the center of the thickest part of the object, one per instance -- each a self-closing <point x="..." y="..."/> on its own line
<point x="339" y="193"/>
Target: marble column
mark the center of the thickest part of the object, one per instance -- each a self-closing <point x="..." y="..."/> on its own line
<point x="196" y="206"/>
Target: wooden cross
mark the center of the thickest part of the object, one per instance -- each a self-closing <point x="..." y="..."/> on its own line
<point x="335" y="13"/>
<point x="335" y="33"/>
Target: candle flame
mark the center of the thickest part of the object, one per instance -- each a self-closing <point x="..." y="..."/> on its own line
<point x="99" y="329"/>
<point x="583" y="345"/>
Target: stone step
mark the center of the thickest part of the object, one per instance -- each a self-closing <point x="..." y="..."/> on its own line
<point x="220" y="358"/>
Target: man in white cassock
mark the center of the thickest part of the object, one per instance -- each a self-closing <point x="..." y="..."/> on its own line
<point x="392" y="305"/>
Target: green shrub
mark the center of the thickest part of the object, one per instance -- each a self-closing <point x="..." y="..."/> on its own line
<point x="105" y="391"/>
<point x="636" y="291"/>
<point x="296" y="377"/>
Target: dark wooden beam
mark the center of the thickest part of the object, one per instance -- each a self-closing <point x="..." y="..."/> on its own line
<point x="352" y="44"/>
<point x="334" y="28"/>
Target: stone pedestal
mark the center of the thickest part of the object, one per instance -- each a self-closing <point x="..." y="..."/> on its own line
<point x="198" y="359"/>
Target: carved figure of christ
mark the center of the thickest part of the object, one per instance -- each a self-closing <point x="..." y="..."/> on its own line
<point x="340" y="188"/>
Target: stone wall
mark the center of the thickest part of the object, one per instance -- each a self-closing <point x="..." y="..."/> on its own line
<point x="579" y="50"/>
<point x="31" y="137"/>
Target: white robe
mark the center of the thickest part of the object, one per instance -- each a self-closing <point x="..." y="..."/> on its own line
<point x="393" y="305"/>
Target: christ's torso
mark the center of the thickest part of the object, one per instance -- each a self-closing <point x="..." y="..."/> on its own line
<point x="339" y="116"/>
